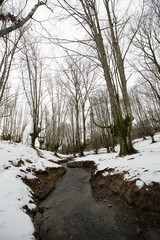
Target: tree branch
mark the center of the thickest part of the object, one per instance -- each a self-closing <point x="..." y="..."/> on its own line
<point x="20" y="23"/>
<point x="1" y="1"/>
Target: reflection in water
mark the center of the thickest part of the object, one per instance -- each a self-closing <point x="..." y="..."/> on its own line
<point x="71" y="212"/>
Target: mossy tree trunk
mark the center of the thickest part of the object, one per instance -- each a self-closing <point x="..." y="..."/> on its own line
<point x="152" y="137"/>
<point x="124" y="120"/>
<point x="34" y="135"/>
<point x="124" y="136"/>
<point x="81" y="150"/>
<point x="33" y="139"/>
<point x="56" y="147"/>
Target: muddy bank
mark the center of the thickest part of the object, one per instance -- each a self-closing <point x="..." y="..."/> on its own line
<point x="41" y="186"/>
<point x="44" y="182"/>
<point x="145" y="198"/>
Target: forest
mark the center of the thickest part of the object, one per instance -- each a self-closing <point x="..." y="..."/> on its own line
<point x="79" y="75"/>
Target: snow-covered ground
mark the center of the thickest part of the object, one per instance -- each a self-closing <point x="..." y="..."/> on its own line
<point x="15" y="224"/>
<point x="144" y="166"/>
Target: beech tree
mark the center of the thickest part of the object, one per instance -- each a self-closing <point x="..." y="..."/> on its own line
<point x="148" y="48"/>
<point x="32" y="71"/>
<point x="101" y="117"/>
<point x="8" y="51"/>
<point x="13" y="16"/>
<point x="107" y="38"/>
<point x="54" y="117"/>
<point x="77" y="84"/>
<point x="153" y="106"/>
<point x="14" y="116"/>
<point x="142" y="111"/>
<point x="147" y="66"/>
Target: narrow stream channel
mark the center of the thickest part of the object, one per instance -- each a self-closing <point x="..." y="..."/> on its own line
<point x="71" y="212"/>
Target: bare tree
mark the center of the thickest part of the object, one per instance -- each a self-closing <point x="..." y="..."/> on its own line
<point x="55" y="116"/>
<point x="148" y="48"/>
<point x="106" y="37"/>
<point x="143" y="121"/>
<point x="8" y="50"/>
<point x="14" y="117"/>
<point x="13" y="17"/>
<point x="87" y="82"/>
<point x="78" y="82"/>
<point x="147" y="66"/>
<point x="32" y="70"/>
<point x="102" y="117"/>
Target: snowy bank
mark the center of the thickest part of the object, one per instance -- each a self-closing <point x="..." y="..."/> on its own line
<point x="144" y="167"/>
<point x="18" y="161"/>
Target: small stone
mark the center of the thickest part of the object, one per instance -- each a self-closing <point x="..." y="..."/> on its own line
<point x="110" y="205"/>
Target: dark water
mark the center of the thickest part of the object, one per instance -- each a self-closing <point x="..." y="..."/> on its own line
<point x="71" y="212"/>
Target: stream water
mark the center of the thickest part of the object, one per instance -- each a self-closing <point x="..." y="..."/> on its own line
<point x="71" y="212"/>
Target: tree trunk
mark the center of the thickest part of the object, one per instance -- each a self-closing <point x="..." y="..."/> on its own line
<point x="81" y="150"/>
<point x="33" y="139"/>
<point x="153" y="140"/>
<point x="77" y="128"/>
<point x="124" y="136"/>
<point x="35" y="134"/>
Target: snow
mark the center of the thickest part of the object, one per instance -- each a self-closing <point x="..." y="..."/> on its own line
<point x="15" y="224"/>
<point x="144" y="166"/>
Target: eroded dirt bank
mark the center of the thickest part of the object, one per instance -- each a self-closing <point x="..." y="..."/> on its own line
<point x="146" y="198"/>
<point x="41" y="186"/>
<point x="44" y="182"/>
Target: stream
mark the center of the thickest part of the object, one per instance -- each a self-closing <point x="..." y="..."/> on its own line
<point x="71" y="212"/>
